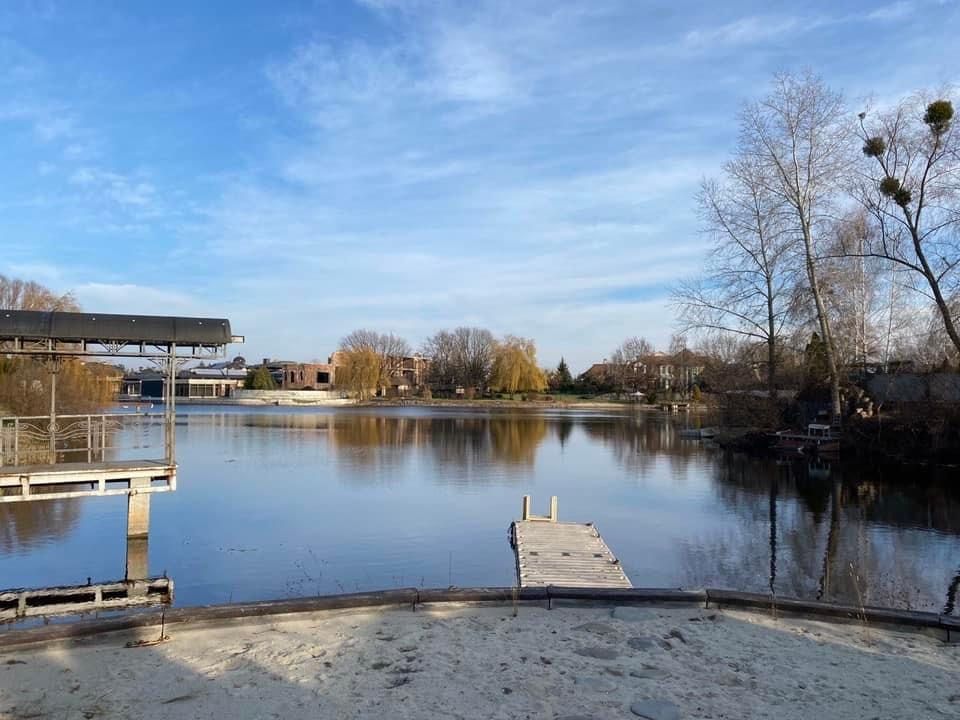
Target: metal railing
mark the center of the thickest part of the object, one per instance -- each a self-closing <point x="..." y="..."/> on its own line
<point x="35" y="440"/>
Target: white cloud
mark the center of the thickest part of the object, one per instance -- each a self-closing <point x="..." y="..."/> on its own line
<point x="467" y="69"/>
<point x="744" y="31"/>
<point x="135" y="299"/>
<point x="41" y="272"/>
<point x="122" y="189"/>
<point x="893" y="11"/>
<point x="53" y="128"/>
<point x="331" y="84"/>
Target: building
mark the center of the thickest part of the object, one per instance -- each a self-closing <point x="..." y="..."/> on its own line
<point x="656" y="372"/>
<point x="289" y="375"/>
<point x="194" y="383"/>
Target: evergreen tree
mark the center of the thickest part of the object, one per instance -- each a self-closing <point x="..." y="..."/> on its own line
<point x="562" y="379"/>
<point x="260" y="379"/>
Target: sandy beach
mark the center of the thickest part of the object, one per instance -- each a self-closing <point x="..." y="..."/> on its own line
<point x="482" y="662"/>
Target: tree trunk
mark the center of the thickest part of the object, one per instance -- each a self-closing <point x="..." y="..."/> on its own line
<point x="824" y="322"/>
<point x="935" y="289"/>
<point x="771" y="345"/>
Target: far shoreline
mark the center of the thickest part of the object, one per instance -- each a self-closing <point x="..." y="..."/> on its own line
<point x="476" y="404"/>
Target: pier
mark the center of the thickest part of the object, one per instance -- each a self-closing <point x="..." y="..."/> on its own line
<point x="58" y="456"/>
<point x="562" y="554"/>
<point x="117" y="595"/>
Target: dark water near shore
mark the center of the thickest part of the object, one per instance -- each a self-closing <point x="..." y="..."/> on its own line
<point x="280" y="502"/>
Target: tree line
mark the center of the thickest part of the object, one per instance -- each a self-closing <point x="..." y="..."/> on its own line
<point x="468" y="358"/>
<point x="832" y="232"/>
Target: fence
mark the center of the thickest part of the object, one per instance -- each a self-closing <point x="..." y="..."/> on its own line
<point x="71" y="438"/>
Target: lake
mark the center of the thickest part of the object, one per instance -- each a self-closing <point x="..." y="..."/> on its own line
<point x="286" y="502"/>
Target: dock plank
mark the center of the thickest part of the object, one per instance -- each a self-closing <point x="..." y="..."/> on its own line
<point x="23" y="483"/>
<point x="564" y="554"/>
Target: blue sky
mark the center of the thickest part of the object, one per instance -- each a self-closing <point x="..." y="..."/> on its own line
<point x="306" y="168"/>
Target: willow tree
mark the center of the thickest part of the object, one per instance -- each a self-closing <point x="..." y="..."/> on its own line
<point x="745" y="287"/>
<point x="798" y="138"/>
<point x="515" y="367"/>
<point x="388" y="349"/>
<point x="360" y="371"/>
<point x="910" y="185"/>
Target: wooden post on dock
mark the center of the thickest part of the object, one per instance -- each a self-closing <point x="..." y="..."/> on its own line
<point x="526" y="515"/>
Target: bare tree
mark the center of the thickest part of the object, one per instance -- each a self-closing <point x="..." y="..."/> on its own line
<point x="463" y="356"/>
<point x="474" y="350"/>
<point x="624" y="368"/>
<point x="16" y="294"/>
<point x="798" y="137"/>
<point x="910" y="185"/>
<point x="855" y="292"/>
<point x="443" y="367"/>
<point x="745" y="287"/>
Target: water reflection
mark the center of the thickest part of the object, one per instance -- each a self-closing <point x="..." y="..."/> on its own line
<point x="835" y="537"/>
<point x="637" y="441"/>
<point x="25" y="524"/>
<point x="362" y="498"/>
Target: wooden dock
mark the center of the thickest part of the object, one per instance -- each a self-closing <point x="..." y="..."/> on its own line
<point x="550" y="552"/>
<point x="119" y="595"/>
<point x="22" y="483"/>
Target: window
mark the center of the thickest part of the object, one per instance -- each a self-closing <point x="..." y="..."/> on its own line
<point x="323" y="377"/>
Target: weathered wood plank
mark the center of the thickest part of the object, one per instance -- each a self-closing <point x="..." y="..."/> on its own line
<point x="566" y="554"/>
<point x="41" y="602"/>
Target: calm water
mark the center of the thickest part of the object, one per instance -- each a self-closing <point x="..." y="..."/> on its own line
<point x="277" y="503"/>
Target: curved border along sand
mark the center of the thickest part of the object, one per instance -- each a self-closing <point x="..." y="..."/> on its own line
<point x="944" y="626"/>
<point x="478" y="654"/>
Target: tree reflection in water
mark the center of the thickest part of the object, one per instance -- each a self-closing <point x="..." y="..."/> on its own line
<point x="792" y="528"/>
<point x="25" y="524"/>
<point x="460" y="441"/>
<point x="822" y="533"/>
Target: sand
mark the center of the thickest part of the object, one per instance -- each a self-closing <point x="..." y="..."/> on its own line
<point x="481" y="662"/>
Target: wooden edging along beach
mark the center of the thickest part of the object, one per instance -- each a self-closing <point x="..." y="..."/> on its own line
<point x="412" y="597"/>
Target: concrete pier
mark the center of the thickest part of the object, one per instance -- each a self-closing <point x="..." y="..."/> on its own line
<point x="138" y="508"/>
<point x="137" y="557"/>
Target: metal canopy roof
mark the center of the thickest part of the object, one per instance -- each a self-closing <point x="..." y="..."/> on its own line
<point x="31" y="331"/>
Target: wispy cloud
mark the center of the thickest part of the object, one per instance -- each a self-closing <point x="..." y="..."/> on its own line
<point x="123" y="190"/>
<point x="744" y="31"/>
<point x="893" y="11"/>
<point x="403" y="164"/>
<point x="135" y="299"/>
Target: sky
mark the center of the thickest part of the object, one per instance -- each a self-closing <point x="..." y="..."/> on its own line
<point x="308" y="168"/>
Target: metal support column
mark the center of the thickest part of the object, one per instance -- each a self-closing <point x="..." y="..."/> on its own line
<point x="53" y="368"/>
<point x="169" y="416"/>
